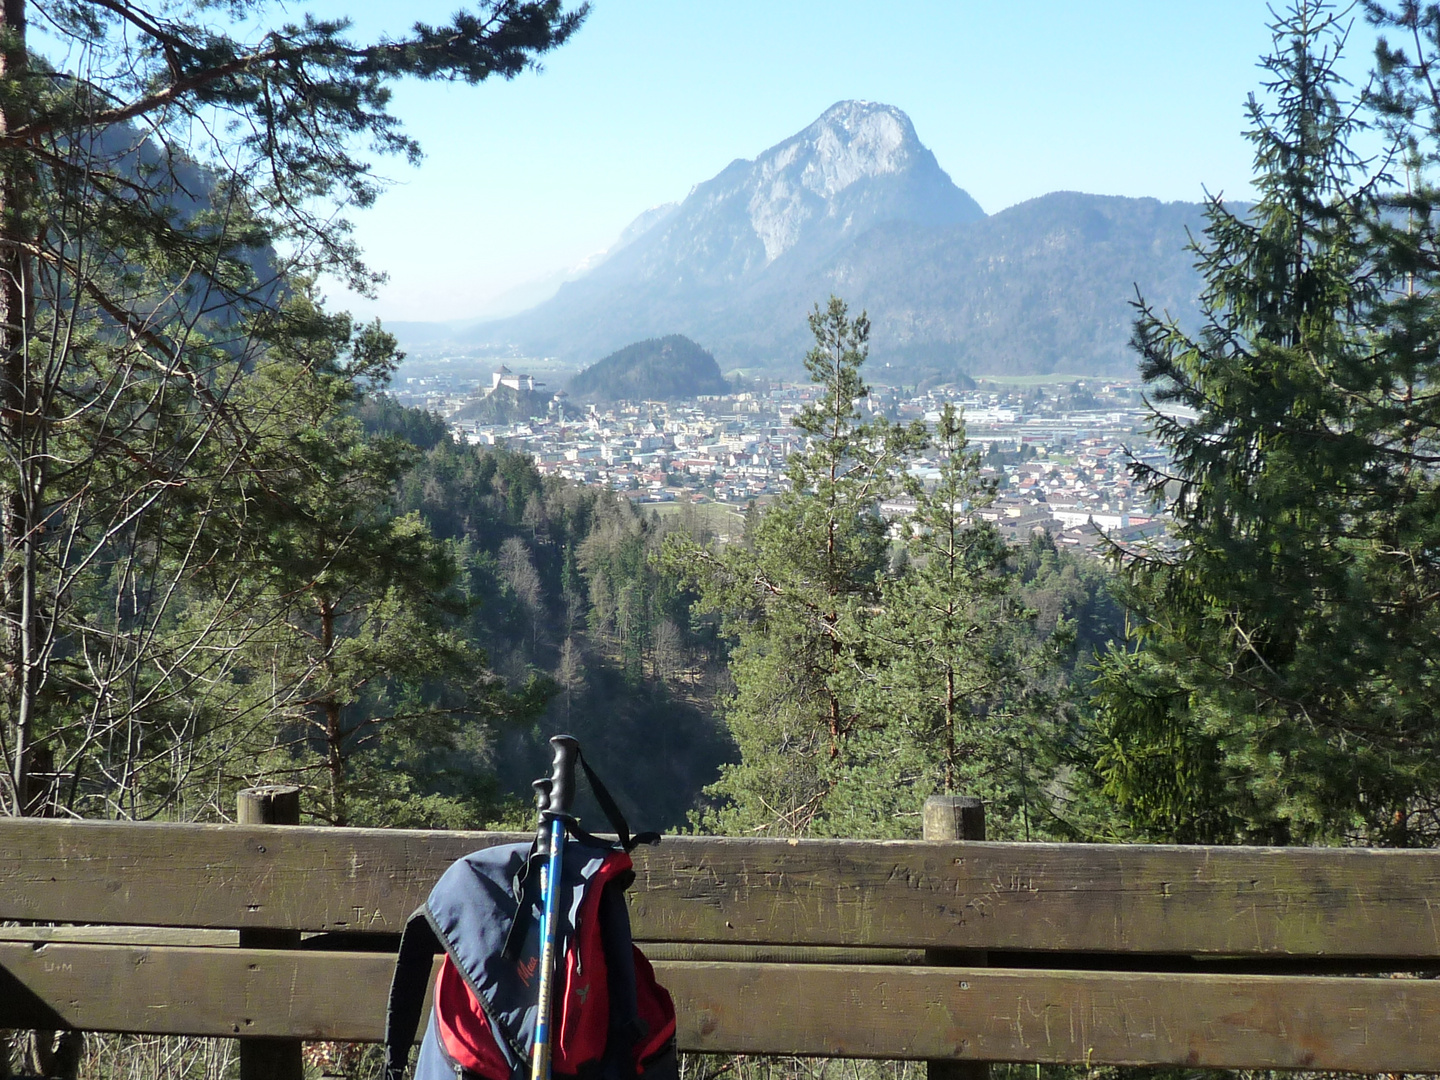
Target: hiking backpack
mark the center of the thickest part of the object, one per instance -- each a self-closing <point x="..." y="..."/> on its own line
<point x="612" y="1020"/>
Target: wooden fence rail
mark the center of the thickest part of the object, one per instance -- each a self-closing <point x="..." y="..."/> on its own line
<point x="899" y="894"/>
<point x="1097" y="954"/>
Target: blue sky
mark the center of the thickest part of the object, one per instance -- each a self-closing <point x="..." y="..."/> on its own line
<point x="526" y="178"/>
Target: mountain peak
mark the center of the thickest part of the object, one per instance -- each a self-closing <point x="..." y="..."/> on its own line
<point x="864" y="119"/>
<point x="851" y="141"/>
<point x="856" y="114"/>
<point x="858" y="165"/>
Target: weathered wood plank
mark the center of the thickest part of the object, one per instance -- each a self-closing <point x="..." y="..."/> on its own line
<point x="223" y="876"/>
<point x="1359" y="1025"/>
<point x="1061" y="1017"/>
<point x="777" y="954"/>
<point x="194" y="991"/>
<point x="767" y="954"/>
<point x="1063" y="897"/>
<point x="159" y="990"/>
<point x="1066" y="897"/>
<point x="122" y="935"/>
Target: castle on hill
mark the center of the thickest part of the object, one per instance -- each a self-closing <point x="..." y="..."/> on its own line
<point x="503" y="376"/>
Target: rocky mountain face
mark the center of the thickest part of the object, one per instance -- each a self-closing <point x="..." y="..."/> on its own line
<point x="855" y="205"/>
<point x="860" y="164"/>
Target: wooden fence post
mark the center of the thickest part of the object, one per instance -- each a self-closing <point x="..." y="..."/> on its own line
<point x="955" y="817"/>
<point x="262" y="1058"/>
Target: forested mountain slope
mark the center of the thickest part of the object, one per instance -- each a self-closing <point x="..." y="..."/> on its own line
<point x="657" y="369"/>
<point x="576" y="614"/>
<point x="566" y="605"/>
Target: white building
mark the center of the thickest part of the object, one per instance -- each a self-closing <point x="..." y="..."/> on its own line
<point x="1105" y="522"/>
<point x="505" y="377"/>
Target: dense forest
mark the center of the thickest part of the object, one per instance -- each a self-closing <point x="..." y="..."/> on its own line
<point x="574" y="603"/>
<point x="565" y="601"/>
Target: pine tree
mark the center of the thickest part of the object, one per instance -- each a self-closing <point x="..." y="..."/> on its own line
<point x="954" y="669"/>
<point x="165" y="183"/>
<point x="358" y="593"/>
<point x="786" y="596"/>
<point x="339" y="620"/>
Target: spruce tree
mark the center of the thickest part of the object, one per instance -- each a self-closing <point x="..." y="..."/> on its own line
<point x="1281" y="682"/>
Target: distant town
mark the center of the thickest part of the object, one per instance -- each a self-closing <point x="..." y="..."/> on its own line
<point x="1059" y="450"/>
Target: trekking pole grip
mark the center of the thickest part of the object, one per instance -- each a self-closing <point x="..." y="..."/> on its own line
<point x="562" y="773"/>
<point x="542" y="823"/>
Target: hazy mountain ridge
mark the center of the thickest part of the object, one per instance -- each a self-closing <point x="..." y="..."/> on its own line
<point x="856" y="166"/>
<point x="1044" y="286"/>
<point x="855" y="205"/>
<point x="643" y="223"/>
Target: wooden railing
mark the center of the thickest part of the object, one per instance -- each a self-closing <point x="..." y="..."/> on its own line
<point x="1092" y="954"/>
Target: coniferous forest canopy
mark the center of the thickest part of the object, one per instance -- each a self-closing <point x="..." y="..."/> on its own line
<point x="659" y="369"/>
<point x="227" y="557"/>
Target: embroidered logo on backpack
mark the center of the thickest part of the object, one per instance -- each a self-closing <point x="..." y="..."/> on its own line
<point x="527" y="969"/>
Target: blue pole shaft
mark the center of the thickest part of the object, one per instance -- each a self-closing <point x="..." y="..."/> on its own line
<point x="549" y="932"/>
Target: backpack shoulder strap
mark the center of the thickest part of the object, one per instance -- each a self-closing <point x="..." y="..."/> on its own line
<point x="419" y="946"/>
<point x="611" y="809"/>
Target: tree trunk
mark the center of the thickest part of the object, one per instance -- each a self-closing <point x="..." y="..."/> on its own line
<point x="949" y="727"/>
<point x="334" y="734"/>
<point x="18" y="419"/>
<point x="834" y="717"/>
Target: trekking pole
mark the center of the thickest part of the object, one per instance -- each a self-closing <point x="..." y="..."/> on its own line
<point x="562" y="794"/>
